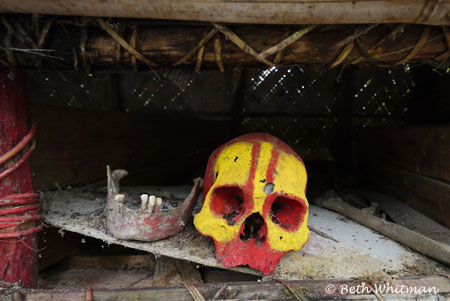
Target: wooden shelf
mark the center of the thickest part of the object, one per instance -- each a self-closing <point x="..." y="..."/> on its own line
<point x="356" y="251"/>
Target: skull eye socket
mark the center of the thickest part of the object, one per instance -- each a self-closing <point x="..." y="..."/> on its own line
<point x="227" y="202"/>
<point x="287" y="213"/>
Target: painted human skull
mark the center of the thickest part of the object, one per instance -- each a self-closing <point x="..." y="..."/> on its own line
<point x="254" y="206"/>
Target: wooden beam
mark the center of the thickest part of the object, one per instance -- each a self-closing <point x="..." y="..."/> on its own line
<point x="423" y="150"/>
<point x="70" y="44"/>
<point x="432" y="12"/>
<point x="268" y="290"/>
<point x="18" y="256"/>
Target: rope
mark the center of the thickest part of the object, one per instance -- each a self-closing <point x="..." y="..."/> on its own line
<point x="446" y="54"/>
<point x="16" y="165"/>
<point x="194" y="50"/>
<point x="390" y="36"/>
<point x="218" y="53"/>
<point x="240" y="43"/>
<point x="419" y="45"/>
<point x="16" y="149"/>
<point x="285" y="43"/>
<point x="343" y="55"/>
<point x="133" y="43"/>
<point x="26" y="204"/>
<point x="201" y="51"/>
<point x="20" y="209"/>
<point x="124" y="43"/>
<point x="280" y="54"/>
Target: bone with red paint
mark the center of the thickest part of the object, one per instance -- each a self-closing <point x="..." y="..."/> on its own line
<point x="142" y="216"/>
<point x="255" y="208"/>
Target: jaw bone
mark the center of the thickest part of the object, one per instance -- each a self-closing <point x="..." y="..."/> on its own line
<point x="153" y="219"/>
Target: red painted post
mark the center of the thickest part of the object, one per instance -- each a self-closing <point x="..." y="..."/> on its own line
<point x="18" y="206"/>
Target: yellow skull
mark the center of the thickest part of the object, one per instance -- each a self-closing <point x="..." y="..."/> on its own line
<point x="254" y="207"/>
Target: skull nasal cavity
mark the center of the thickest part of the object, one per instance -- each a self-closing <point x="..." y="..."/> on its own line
<point x="254" y="227"/>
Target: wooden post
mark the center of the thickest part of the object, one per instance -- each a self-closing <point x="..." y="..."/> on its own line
<point x="17" y="237"/>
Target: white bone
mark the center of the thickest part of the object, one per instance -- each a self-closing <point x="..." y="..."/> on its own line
<point x="119" y="198"/>
<point x="151" y="202"/>
<point x="144" y="201"/>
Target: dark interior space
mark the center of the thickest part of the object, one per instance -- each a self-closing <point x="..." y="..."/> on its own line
<point x="342" y="122"/>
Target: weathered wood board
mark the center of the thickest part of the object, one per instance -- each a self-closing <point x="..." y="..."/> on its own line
<point x="265" y="290"/>
<point x="358" y="252"/>
<point x="407" y="217"/>
<point x="269" y="12"/>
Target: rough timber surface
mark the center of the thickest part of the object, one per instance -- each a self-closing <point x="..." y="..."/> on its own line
<point x="358" y="251"/>
<point x="247" y="11"/>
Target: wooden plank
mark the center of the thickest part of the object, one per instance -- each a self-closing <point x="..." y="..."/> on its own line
<point x="246" y="11"/>
<point x="418" y="242"/>
<point x="429" y="196"/>
<point x="267" y="290"/>
<point x="423" y="150"/>
<point x="355" y="250"/>
<point x="406" y="216"/>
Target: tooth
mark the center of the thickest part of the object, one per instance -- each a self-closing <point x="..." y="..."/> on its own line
<point x="144" y="201"/>
<point x="158" y="202"/>
<point x="151" y="202"/>
<point x="119" y="198"/>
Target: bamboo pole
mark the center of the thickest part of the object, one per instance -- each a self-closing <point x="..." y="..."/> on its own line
<point x="430" y="12"/>
<point x="69" y="42"/>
